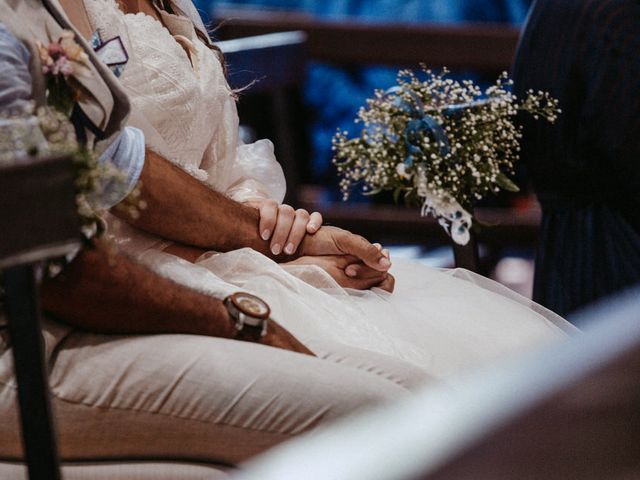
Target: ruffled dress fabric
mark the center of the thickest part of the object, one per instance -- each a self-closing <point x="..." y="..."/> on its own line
<point x="446" y="322"/>
<point x="183" y="104"/>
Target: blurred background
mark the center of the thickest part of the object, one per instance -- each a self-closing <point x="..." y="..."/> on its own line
<point x="303" y="86"/>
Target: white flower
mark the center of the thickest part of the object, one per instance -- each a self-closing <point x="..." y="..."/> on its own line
<point x="401" y="170"/>
<point x="460" y="234"/>
<point x="450" y="214"/>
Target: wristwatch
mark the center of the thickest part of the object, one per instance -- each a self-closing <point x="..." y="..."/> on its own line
<point x="247" y="310"/>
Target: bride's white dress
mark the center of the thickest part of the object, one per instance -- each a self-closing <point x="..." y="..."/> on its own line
<point x="446" y="322"/>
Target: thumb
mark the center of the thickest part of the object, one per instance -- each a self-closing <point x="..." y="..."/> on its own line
<point x="361" y="248"/>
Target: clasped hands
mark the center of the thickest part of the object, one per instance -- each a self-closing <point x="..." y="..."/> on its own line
<point x="351" y="260"/>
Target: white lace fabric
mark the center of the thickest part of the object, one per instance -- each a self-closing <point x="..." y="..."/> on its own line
<point x="183" y="104"/>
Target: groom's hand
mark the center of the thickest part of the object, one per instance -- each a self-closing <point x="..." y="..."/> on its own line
<point x="277" y="336"/>
<point x="349" y="272"/>
<point x="335" y="241"/>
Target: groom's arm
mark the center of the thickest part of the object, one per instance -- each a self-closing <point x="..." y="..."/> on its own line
<point x="182" y="209"/>
<point x="104" y="291"/>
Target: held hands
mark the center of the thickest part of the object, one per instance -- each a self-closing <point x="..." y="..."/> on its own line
<point x="285" y="226"/>
<point x="336" y="241"/>
<point x="349" y="272"/>
<point x="350" y="259"/>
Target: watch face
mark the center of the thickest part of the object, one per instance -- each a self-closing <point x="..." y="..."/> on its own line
<point x="251" y="305"/>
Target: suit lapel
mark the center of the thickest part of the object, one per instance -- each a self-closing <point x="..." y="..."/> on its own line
<point x="99" y="104"/>
<point x="105" y="105"/>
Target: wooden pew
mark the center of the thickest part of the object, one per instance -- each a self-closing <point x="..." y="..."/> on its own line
<point x="479" y="47"/>
<point x="268" y="70"/>
<point x="38" y="220"/>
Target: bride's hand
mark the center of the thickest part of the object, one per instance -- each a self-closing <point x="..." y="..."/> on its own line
<point x="349" y="272"/>
<point x="285" y="226"/>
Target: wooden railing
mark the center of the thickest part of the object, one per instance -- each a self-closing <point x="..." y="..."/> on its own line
<point x="478" y="47"/>
<point x="504" y="227"/>
<point x="267" y="70"/>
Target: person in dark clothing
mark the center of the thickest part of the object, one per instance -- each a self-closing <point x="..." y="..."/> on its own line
<point x="586" y="167"/>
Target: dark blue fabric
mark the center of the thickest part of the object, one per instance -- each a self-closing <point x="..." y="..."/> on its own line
<point x="586" y="167"/>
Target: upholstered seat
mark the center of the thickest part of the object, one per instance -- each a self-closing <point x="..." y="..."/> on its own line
<point x="129" y="470"/>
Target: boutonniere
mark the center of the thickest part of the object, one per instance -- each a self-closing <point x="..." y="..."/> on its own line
<point x="61" y="61"/>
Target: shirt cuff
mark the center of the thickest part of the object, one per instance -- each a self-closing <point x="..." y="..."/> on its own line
<point x="126" y="154"/>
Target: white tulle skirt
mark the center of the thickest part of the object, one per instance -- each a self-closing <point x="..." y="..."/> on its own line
<point x="446" y="322"/>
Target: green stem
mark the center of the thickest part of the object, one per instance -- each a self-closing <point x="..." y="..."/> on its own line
<point x="59" y="94"/>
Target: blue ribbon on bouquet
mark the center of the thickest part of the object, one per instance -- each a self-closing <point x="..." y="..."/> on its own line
<point x="424" y="124"/>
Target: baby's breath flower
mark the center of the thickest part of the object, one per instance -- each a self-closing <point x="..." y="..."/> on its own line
<point x="442" y="143"/>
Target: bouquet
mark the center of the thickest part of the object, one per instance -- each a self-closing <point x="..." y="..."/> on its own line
<point x="439" y="143"/>
<point x="62" y="62"/>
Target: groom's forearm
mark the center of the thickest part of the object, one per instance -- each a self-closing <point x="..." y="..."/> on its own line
<point x="104" y="291"/>
<point x="182" y="209"/>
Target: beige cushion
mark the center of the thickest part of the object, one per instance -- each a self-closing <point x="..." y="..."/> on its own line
<point x="124" y="471"/>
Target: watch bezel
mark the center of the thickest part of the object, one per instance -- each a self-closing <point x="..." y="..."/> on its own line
<point x="236" y="299"/>
<point x="242" y="317"/>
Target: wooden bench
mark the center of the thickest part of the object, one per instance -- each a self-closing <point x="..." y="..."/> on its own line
<point x="478" y="47"/>
<point x="268" y="70"/>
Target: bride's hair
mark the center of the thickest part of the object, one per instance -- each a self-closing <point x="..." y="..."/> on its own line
<point x="208" y="40"/>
